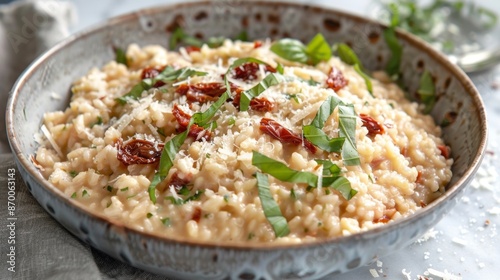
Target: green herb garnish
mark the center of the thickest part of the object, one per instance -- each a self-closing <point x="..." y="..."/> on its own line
<point x="166" y="222"/>
<point x="317" y="50"/>
<point x="293" y="97"/>
<point x="97" y="122"/>
<point x="347" y="55"/>
<point x="283" y="173"/>
<point x="319" y="138"/>
<point x="183" y="191"/>
<point x="392" y="67"/>
<point x="426" y="91"/>
<point x="347" y="126"/>
<point x="426" y="21"/>
<point x="180" y="201"/>
<point x="120" y="56"/>
<point x="271" y="208"/>
<point x="329" y="168"/>
<point x="166" y="161"/>
<point x="73" y="173"/>
<point x="74" y="195"/>
<point x="271" y="79"/>
<point x="109" y="188"/>
<point x="124" y="189"/>
<point x="149" y="215"/>
<point x="85" y="193"/>
<point x="168" y="75"/>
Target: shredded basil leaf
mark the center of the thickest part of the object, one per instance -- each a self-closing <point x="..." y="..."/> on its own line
<point x="347" y="126"/>
<point x="120" y="56"/>
<point x="283" y="173"/>
<point x="341" y="184"/>
<point x="392" y="67"/>
<point x="271" y="209"/>
<point x="319" y="138"/>
<point x="166" y="162"/>
<point x="271" y="79"/>
<point x="348" y="56"/>
<point x="169" y="74"/>
<point x="178" y="36"/>
<point x="367" y="79"/>
<point x="314" y="132"/>
<point x="325" y="110"/>
<point x="426" y="91"/>
<point x="329" y="168"/>
<point x="290" y="49"/>
<point x="317" y="50"/>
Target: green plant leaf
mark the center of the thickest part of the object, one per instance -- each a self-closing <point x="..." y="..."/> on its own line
<point x="347" y="126"/>
<point x="271" y="208"/>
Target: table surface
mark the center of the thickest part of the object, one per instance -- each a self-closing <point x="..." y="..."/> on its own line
<point x="465" y="243"/>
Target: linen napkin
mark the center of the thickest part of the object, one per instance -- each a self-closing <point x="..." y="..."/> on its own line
<point x="33" y="244"/>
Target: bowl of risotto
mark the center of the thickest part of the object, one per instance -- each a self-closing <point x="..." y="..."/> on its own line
<point x="238" y="140"/>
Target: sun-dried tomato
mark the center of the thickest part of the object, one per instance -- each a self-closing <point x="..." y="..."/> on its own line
<point x="248" y="71"/>
<point x="277" y="131"/>
<point x="196" y="214"/>
<point x="257" y="44"/>
<point x="384" y="219"/>
<point x="419" y="177"/>
<point x="139" y="151"/>
<point x="201" y="92"/>
<point x="177" y="182"/>
<point x="336" y="79"/>
<point x="151" y="72"/>
<point x="196" y="131"/>
<point x="260" y="104"/>
<point x="372" y="125"/>
<point x="445" y="151"/>
<point x="190" y="49"/>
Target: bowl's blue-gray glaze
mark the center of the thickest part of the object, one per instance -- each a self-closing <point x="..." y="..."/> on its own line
<point x="54" y="72"/>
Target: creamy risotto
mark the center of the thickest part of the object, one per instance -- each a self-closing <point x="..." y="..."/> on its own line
<point x="199" y="145"/>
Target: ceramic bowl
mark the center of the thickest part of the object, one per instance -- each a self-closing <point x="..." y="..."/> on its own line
<point x="55" y="70"/>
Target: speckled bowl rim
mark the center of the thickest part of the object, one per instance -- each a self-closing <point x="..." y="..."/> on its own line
<point x="452" y="190"/>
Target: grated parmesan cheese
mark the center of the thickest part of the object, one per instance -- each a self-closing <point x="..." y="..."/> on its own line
<point x="51" y="140"/>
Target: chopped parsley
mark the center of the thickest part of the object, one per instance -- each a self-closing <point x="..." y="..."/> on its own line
<point x="73" y="173"/>
<point x="166" y="222"/>
<point x="85" y="193"/>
